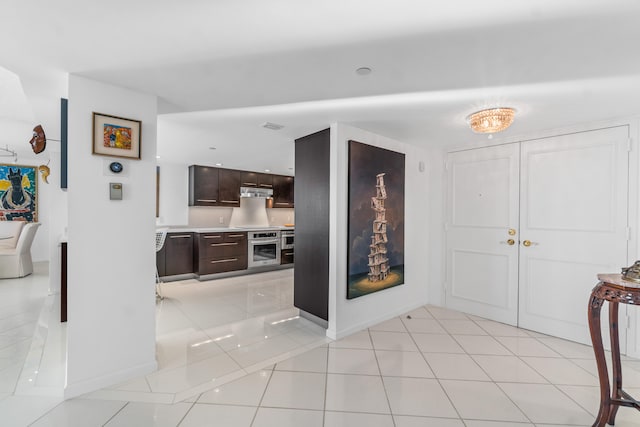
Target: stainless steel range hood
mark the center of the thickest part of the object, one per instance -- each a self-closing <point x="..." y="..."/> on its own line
<point x="265" y="193"/>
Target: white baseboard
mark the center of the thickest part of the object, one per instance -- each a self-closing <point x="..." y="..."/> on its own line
<point x="93" y="384"/>
<point x="337" y="334"/>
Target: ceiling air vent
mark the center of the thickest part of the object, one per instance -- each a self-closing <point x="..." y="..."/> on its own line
<point x="272" y="126"/>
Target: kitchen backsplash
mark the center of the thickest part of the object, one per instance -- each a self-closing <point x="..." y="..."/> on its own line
<point x="222" y="217"/>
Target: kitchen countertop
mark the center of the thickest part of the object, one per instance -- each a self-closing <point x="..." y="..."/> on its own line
<point x="191" y="229"/>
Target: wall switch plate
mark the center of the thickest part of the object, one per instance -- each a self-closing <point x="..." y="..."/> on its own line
<point x="115" y="191"/>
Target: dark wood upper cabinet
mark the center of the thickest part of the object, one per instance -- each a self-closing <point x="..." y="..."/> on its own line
<point x="258" y="180"/>
<point x="203" y="186"/>
<point x="282" y="191"/>
<point x="249" y="179"/>
<point x="265" y="180"/>
<point x="229" y="187"/>
<point x="210" y="186"/>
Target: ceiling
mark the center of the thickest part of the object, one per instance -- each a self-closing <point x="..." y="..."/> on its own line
<point x="222" y="68"/>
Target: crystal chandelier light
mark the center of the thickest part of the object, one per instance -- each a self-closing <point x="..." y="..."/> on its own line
<point x="492" y="120"/>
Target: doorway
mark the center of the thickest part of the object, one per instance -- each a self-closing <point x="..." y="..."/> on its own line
<point x="530" y="224"/>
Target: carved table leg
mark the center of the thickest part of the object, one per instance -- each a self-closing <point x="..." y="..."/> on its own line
<point x="595" y="305"/>
<point x="615" y="359"/>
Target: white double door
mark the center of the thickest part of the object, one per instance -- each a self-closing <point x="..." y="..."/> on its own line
<point x="530" y="225"/>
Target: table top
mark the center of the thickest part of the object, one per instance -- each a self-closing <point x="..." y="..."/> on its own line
<point x="617" y="280"/>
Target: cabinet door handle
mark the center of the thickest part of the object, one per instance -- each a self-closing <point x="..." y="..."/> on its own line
<point x="282" y="203"/>
<point x="225" y="244"/>
<point x="229" y="201"/>
<point x="212" y="237"/>
<point x="288" y="253"/>
<point x="207" y="200"/>
<point x="235" y="235"/>
<point x="266" y="185"/>
<point x="224" y="260"/>
<point x="254" y="184"/>
<point x="181" y="236"/>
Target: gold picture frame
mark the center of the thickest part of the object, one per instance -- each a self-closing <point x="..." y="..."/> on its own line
<point x="116" y="136"/>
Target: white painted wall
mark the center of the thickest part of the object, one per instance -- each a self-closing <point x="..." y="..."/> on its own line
<point x="348" y="316"/>
<point x="436" y="190"/>
<point x="111" y="269"/>
<point x="174" y="194"/>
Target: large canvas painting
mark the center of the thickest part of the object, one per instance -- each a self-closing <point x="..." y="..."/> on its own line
<point x="18" y="193"/>
<point x="376" y="219"/>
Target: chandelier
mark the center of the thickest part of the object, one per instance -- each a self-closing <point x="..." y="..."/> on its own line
<point x="492" y="120"/>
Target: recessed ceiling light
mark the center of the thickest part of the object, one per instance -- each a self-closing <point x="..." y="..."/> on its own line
<point x="218" y="164"/>
<point x="157" y="157"/>
<point x="272" y="126"/>
<point x="363" y="71"/>
<point x="267" y="170"/>
<point x="212" y="148"/>
<point x="290" y="169"/>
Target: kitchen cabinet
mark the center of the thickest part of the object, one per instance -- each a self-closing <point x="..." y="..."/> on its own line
<point x="221" y="252"/>
<point x="229" y="187"/>
<point x="283" y="190"/>
<point x="178" y="254"/>
<point x="258" y="180"/>
<point x="203" y="186"/>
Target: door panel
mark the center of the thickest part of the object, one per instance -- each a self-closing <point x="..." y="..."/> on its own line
<point x="574" y="211"/>
<point x="481" y="277"/>
<point x="482" y="269"/>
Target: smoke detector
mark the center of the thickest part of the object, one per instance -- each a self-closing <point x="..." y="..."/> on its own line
<point x="272" y="126"/>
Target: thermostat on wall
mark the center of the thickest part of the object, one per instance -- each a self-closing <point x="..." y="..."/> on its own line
<point x="115" y="167"/>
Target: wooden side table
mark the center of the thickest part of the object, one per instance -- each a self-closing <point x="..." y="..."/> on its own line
<point x="615" y="290"/>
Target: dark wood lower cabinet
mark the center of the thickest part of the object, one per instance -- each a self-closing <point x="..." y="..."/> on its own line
<point x="178" y="254"/>
<point x="221" y="252"/>
<point x="286" y="256"/>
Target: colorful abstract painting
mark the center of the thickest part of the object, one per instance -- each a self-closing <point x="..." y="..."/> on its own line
<point x="18" y="193"/>
<point x="375" y="255"/>
<point x="115" y="136"/>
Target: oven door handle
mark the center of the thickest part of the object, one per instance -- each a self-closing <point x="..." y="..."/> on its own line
<point x="260" y="242"/>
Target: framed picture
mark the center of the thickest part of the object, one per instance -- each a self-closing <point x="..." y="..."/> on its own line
<point x="375" y="255"/>
<point x="18" y="193"/>
<point x="116" y="136"/>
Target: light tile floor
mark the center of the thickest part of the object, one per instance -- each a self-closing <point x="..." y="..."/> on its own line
<point x="430" y="367"/>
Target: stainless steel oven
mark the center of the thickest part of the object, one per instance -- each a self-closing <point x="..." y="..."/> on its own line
<point x="287" y="239"/>
<point x="263" y="248"/>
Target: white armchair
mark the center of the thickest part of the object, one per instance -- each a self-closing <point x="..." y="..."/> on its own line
<point x="15" y="248"/>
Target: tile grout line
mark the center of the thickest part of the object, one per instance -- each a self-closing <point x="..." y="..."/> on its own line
<point x="326" y="386"/>
<point x="384" y="387"/>
<point x="264" y="392"/>
<point x="116" y="413"/>
<point x="487" y="374"/>
<point x="435" y="376"/>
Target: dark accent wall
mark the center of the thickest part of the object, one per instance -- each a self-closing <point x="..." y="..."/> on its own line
<point x="64" y="106"/>
<point x="311" y="193"/>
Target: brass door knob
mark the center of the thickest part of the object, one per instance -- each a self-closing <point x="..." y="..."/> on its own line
<point x="526" y="243"/>
<point x="511" y="242"/>
<point x="512" y="232"/>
